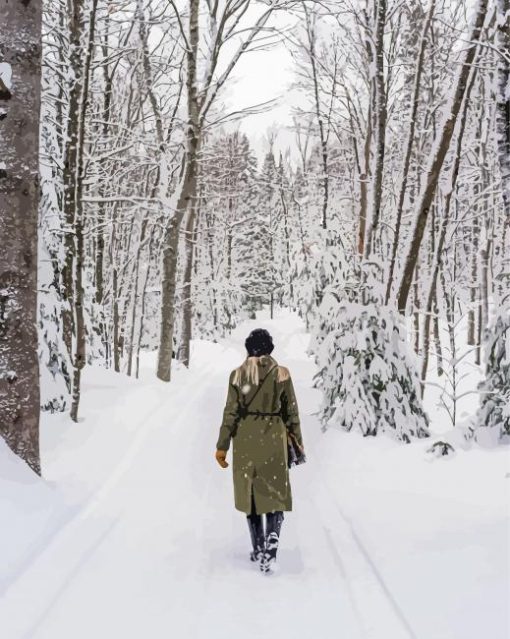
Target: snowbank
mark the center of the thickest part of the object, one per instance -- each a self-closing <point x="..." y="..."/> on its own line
<point x="31" y="510"/>
<point x="436" y="529"/>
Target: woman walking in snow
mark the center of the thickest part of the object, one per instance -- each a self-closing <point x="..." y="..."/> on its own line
<point x="260" y="410"/>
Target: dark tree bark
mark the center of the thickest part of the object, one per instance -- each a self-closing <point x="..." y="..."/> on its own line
<point x="503" y="100"/>
<point x="186" y="194"/>
<point x="363" y="180"/>
<point x="20" y="77"/>
<point x="310" y="30"/>
<point x="187" y="304"/>
<point x="380" y="117"/>
<point x="70" y="163"/>
<point x="438" y="255"/>
<point x="432" y="178"/>
<point x="77" y="186"/>
<point x="103" y="207"/>
<point x="409" y="145"/>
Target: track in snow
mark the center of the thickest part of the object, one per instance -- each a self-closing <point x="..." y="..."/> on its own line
<point x="159" y="551"/>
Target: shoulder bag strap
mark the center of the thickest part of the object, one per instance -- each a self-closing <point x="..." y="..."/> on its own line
<point x="246" y="406"/>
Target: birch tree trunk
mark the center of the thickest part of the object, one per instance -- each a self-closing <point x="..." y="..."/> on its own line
<point x="20" y="77"/>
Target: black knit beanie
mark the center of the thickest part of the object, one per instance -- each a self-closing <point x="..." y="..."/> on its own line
<point x="259" y="342"/>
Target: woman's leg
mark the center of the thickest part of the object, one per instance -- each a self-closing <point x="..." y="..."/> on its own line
<point x="256" y="531"/>
<point x="274" y="522"/>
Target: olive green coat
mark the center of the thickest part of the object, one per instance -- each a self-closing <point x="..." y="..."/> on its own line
<point x="260" y="442"/>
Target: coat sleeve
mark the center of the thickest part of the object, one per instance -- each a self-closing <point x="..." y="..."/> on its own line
<point x="230" y="416"/>
<point x="290" y="411"/>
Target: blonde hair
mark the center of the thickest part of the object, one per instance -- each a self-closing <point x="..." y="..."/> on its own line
<point x="248" y="372"/>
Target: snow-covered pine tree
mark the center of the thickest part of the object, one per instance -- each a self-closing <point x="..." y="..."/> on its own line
<point x="255" y="251"/>
<point x="281" y="236"/>
<point x="492" y="423"/>
<point x="226" y="226"/>
<point x="494" y="412"/>
<point x="302" y="298"/>
<point x="304" y="228"/>
<point x="368" y="379"/>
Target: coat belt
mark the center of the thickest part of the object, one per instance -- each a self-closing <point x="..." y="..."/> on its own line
<point x="258" y="413"/>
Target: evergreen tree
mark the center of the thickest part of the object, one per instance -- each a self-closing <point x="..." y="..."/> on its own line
<point x="368" y="379"/>
<point x="255" y="242"/>
<point x="494" y="412"/>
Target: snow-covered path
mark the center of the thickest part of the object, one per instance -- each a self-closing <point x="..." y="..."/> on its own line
<point x="159" y="551"/>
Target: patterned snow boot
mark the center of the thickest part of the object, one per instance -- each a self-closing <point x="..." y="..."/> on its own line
<point x="257" y="536"/>
<point x="273" y="527"/>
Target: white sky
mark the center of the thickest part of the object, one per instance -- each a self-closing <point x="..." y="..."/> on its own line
<point x="261" y="76"/>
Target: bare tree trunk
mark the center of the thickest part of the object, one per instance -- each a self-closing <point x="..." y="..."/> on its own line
<point x="437" y="339"/>
<point x="136" y="277"/>
<point x="478" y="351"/>
<point x="310" y="30"/>
<point x="20" y="94"/>
<point x="69" y="176"/>
<point x="432" y="176"/>
<point x="139" y="251"/>
<point x="79" y="354"/>
<point x="142" y="309"/>
<point x="186" y="195"/>
<point x="125" y="288"/>
<point x="363" y="179"/>
<point x="169" y="267"/>
<point x="449" y="297"/>
<point x="80" y="340"/>
<point x="409" y="144"/>
<point x="484" y="288"/>
<point x="362" y="210"/>
<point x="103" y="207"/>
<point x="438" y="255"/>
<point x="417" y="309"/>
<point x="503" y="101"/>
<point x="380" y="117"/>
<point x="187" y="306"/>
<point x="115" y="302"/>
<point x="228" y="270"/>
<point x="472" y="332"/>
<point x="287" y="241"/>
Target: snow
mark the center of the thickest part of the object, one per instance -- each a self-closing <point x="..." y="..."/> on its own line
<point x="6" y="75"/>
<point x="132" y="532"/>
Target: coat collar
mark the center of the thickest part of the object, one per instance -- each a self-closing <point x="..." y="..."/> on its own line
<point x="266" y="362"/>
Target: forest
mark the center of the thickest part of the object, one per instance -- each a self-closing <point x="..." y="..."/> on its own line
<point x="156" y="222"/>
<point x="154" y="208"/>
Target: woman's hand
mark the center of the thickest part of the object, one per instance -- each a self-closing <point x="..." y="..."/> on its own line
<point x="221" y="458"/>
